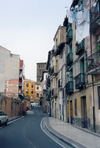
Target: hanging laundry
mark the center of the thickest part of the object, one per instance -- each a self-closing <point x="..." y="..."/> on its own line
<point x="82" y="25"/>
<point x="74" y="15"/>
<point x="69" y="15"/>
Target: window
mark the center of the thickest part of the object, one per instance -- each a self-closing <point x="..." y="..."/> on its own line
<point x="99" y="97"/>
<point x="75" y="107"/>
<point x="37" y="88"/>
<point x="40" y="95"/>
<point x="37" y="95"/>
<point x="32" y="91"/>
<point x="32" y="85"/>
<point x="27" y="91"/>
<point x="26" y="84"/>
<point x="31" y="97"/>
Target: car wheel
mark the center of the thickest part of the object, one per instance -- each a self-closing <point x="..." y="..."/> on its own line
<point x="0" y="123"/>
<point x="6" y="122"/>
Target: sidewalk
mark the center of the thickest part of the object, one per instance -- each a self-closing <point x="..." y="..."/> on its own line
<point x="74" y="136"/>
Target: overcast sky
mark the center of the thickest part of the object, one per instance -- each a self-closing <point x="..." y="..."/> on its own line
<point x="27" y="28"/>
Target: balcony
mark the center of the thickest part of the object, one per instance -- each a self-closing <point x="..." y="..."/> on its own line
<point x="69" y="59"/>
<point x="20" y="83"/>
<point x="48" y="82"/>
<point x="20" y="75"/>
<point x="48" y="96"/>
<point x="95" y="18"/>
<point x="54" y="70"/>
<point x="93" y="63"/>
<point x="20" y="93"/>
<point x="69" y="36"/>
<point x="60" y="84"/>
<point x="80" y="48"/>
<point x="54" y="92"/>
<point x="80" y="81"/>
<point x="69" y="87"/>
<point x="59" y="49"/>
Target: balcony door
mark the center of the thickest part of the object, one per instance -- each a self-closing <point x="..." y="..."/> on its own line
<point x="82" y="70"/>
<point x="71" y="79"/>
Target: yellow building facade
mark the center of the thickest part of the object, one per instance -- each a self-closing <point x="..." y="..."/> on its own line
<point x="29" y="89"/>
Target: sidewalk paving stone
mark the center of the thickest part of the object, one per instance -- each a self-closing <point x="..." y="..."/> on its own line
<point x="77" y="136"/>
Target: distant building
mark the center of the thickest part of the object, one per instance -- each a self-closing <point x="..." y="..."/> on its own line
<point x="21" y="79"/>
<point x="40" y="68"/>
<point x="29" y="89"/>
<point x="44" y="91"/>
<point x="9" y="67"/>
<point x="11" y="88"/>
<point x="38" y="92"/>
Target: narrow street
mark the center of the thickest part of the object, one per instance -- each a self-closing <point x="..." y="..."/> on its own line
<point x="26" y="133"/>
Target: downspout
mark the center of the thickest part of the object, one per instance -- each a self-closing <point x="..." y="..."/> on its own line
<point x="93" y="101"/>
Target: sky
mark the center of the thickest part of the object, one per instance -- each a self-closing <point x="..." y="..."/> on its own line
<point x="27" y="28"/>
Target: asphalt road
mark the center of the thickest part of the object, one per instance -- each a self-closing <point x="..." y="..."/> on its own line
<point x="26" y="133"/>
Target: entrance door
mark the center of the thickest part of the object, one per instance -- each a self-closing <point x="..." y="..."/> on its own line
<point x="84" y="111"/>
<point x="55" y="110"/>
<point x="71" y="113"/>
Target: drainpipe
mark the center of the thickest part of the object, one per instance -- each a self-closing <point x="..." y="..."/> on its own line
<point x="93" y="101"/>
<point x="65" y="84"/>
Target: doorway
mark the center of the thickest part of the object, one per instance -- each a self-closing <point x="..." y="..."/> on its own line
<point x="71" y="113"/>
<point x="84" y="112"/>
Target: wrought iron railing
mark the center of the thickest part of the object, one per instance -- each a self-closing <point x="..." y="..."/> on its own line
<point x="93" y="61"/>
<point x="69" y="58"/>
<point x="69" y="87"/>
<point x="94" y="12"/>
<point x="80" y="48"/>
<point x="79" y="80"/>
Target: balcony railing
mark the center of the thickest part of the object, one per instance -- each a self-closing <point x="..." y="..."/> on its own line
<point x="20" y="83"/>
<point x="54" y="92"/>
<point x="48" y="82"/>
<point x="80" y="81"/>
<point x="80" y="48"/>
<point x="69" y="87"/>
<point x="93" y="63"/>
<point x="54" y="70"/>
<point x="69" y="59"/>
<point x="48" y="96"/>
<point x="69" y="36"/>
<point x="20" y="75"/>
<point x="95" y="18"/>
<point x="59" y="83"/>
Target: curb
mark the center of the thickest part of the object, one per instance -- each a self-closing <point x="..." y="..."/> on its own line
<point x="61" y="137"/>
<point x="13" y="118"/>
<point x="68" y="143"/>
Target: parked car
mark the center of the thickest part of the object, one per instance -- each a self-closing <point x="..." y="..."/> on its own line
<point x="3" y="118"/>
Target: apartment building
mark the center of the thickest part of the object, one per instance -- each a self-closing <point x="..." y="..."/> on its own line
<point x="21" y="78"/>
<point x="29" y="90"/>
<point x="82" y="88"/>
<point x="44" y="91"/>
<point x="9" y="67"/>
<point x="38" y="92"/>
<point x="56" y="72"/>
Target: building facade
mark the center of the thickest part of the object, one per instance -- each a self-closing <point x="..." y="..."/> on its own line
<point x="73" y="80"/>
<point x="40" y="68"/>
<point x="9" y="67"/>
<point x="12" y="88"/>
<point x="38" y="92"/>
<point x="21" y="79"/>
<point x="29" y="89"/>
